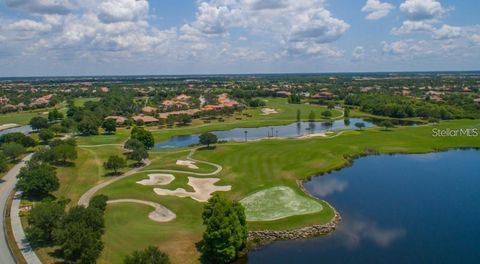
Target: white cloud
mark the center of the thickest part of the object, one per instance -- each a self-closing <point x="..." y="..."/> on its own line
<point x="27" y="25"/>
<point x="409" y="26"/>
<point x="296" y="24"/>
<point x="42" y="6"/>
<point x="406" y="47"/>
<point x="111" y="11"/>
<point x="376" y="9"/>
<point x="448" y="32"/>
<point x="422" y="9"/>
<point x="358" y="53"/>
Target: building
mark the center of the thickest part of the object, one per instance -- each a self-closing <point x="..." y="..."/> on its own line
<point x="323" y="95"/>
<point x="145" y="119"/>
<point x="120" y="120"/>
<point x="149" y="110"/>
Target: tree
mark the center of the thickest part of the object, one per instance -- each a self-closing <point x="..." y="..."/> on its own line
<point x="387" y="124"/>
<point x="208" y="139"/>
<point x="13" y="150"/>
<point x="3" y="162"/>
<point x="88" y="127"/>
<point x="43" y="219"/>
<point x="110" y="126"/>
<point x="38" y="122"/>
<point x="46" y="134"/>
<point x="79" y="235"/>
<point x="38" y="179"/>
<point x="19" y="138"/>
<point x="299" y="118"/>
<point x="226" y="232"/>
<point x="132" y="144"/>
<point x="144" y="136"/>
<point x="151" y="255"/>
<point x="65" y="152"/>
<point x="346" y="112"/>
<point x="138" y="155"/>
<point x="326" y="114"/>
<point x="99" y="202"/>
<point x="54" y="115"/>
<point x="115" y="163"/>
<point x="360" y="125"/>
<point x="184" y="119"/>
<point x="58" y="128"/>
<point x="311" y="116"/>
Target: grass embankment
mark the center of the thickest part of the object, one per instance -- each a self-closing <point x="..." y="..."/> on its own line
<point x="251" y="167"/>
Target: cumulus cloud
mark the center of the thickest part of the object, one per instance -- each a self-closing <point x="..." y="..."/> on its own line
<point x="376" y="9"/>
<point x="422" y="9"/>
<point x="406" y="47"/>
<point x="358" y="53"/>
<point x="42" y="6"/>
<point x="301" y="25"/>
<point x="111" y="11"/>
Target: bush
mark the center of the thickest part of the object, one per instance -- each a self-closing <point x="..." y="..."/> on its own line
<point x="150" y="255"/>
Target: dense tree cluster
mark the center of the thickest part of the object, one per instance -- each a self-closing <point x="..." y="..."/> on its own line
<point x="226" y="231"/>
<point x="401" y="107"/>
<point x="38" y="179"/>
<point x="144" y="136"/>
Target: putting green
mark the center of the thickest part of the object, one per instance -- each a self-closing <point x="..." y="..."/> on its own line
<point x="277" y="203"/>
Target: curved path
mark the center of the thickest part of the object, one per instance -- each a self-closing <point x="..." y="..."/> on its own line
<point x="85" y="199"/>
<point x="161" y="214"/>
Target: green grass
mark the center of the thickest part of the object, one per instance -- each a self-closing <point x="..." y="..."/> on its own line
<point x="81" y="101"/>
<point x="252" y="167"/>
<point x="276" y="203"/>
<point x="287" y="114"/>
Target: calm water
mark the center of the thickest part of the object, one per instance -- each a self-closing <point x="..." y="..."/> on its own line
<point x="292" y="130"/>
<point x="22" y="129"/>
<point x="395" y="209"/>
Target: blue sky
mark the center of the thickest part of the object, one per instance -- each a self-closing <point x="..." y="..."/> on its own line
<point x="117" y="37"/>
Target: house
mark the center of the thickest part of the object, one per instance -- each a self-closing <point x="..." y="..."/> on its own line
<point x="189" y="112"/>
<point x="212" y="107"/>
<point x="149" y="110"/>
<point x="477" y="101"/>
<point x="323" y="95"/>
<point x="104" y="89"/>
<point x="41" y="101"/>
<point x="283" y="93"/>
<point x="436" y="98"/>
<point x="145" y="119"/>
<point x="120" y="120"/>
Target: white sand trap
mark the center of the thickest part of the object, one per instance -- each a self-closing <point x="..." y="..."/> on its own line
<point x="157" y="179"/>
<point x="204" y="187"/>
<point x="161" y="214"/>
<point x="188" y="163"/>
<point x="269" y="111"/>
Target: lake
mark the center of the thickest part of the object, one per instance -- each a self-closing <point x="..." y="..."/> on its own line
<point x="395" y="209"/>
<point x="21" y="129"/>
<point x="292" y="130"/>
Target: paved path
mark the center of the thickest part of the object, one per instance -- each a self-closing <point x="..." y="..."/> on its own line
<point x="22" y="241"/>
<point x="85" y="199"/>
<point x="7" y="184"/>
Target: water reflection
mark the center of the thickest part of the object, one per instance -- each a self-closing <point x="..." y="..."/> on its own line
<point x="328" y="186"/>
<point x="352" y="232"/>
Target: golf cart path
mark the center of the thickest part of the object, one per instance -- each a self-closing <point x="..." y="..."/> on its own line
<point x="85" y="198"/>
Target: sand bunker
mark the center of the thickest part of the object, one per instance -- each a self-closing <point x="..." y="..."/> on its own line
<point x="204" y="187"/>
<point x="157" y="179"/>
<point x="269" y="111"/>
<point x="8" y="126"/>
<point x="161" y="213"/>
<point x="188" y="163"/>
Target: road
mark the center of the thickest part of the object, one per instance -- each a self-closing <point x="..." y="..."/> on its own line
<point x="7" y="184"/>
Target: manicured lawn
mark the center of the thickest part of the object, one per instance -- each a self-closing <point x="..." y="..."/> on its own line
<point x="287" y="114"/>
<point x="81" y="101"/>
<point x="23" y="117"/>
<point x="252" y="167"/>
<point x="276" y="203"/>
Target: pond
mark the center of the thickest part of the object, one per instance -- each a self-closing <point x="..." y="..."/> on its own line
<point x="21" y="129"/>
<point x="291" y="130"/>
<point x="395" y="209"/>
